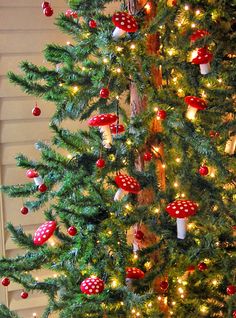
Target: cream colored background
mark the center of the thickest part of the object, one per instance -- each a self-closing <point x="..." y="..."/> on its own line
<point x="24" y="31"/>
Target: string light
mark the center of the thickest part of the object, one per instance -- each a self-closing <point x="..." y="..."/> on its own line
<point x="176" y="184"/>
<point x="132" y="46"/>
<point x="150" y="305"/>
<point x="163" y="166"/>
<point x="147" y="7"/>
<point x="114" y="283"/>
<point x="69" y="156"/>
<point x="75" y="89"/>
<point x="60" y="84"/>
<point x="173" y="303"/>
<point x="197" y="12"/>
<point x="68" y="43"/>
<point x="133" y="311"/>
<point x="119" y="49"/>
<point x="182" y="195"/>
<point x="208" y="85"/>
<point x="109" y="232"/>
<point x="186" y="7"/>
<point x="220" y="80"/>
<point x="118" y="70"/>
<point x="193" y="25"/>
<point x="105" y="60"/>
<point x="178" y="160"/>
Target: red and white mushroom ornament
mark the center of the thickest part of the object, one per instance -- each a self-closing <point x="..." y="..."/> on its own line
<point x="194" y="104"/>
<point x="203" y="59"/>
<point x="181" y="210"/>
<point x="33" y="174"/>
<point x="123" y="22"/>
<point x="134" y="273"/>
<point x="198" y="34"/>
<point x="126" y="184"/>
<point x="92" y="286"/>
<point x="44" y="232"/>
<point x="117" y="129"/>
<point x="103" y="121"/>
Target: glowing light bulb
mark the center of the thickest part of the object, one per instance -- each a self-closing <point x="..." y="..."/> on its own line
<point x="105" y="60"/>
<point x="75" y="89"/>
<point x="180" y="290"/>
<point x="178" y="160"/>
<point x="135" y="257"/>
<point x="214" y="282"/>
<point x="132" y="46"/>
<point x="208" y="84"/>
<point x="148" y="7"/>
<point x="114" y="283"/>
<point x="186" y="7"/>
<point x="150" y="305"/>
<point x="220" y="80"/>
<point x="173" y="303"/>
<point x="69" y="156"/>
<point x="68" y="43"/>
<point x="133" y="311"/>
<point x="60" y="84"/>
<point x="157" y="210"/>
<point x="109" y="232"/>
<point x="122" y="304"/>
<point x="119" y="49"/>
<point x="182" y="195"/>
<point x="193" y="25"/>
<point x="176" y="184"/>
<point x="159" y="298"/>
<point x="118" y="70"/>
<point x="197" y="12"/>
<point x="163" y="166"/>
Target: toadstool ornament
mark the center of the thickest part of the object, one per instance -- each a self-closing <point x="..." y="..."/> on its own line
<point x="234" y="314"/>
<point x="92" y="285"/>
<point x="181" y="210"/>
<point x="126" y="184"/>
<point x="33" y="174"/>
<point x="194" y="104"/>
<point x="198" y="34"/>
<point x="123" y="22"/>
<point x="203" y="58"/>
<point x="44" y="232"/>
<point x="202" y="266"/>
<point x="103" y="121"/>
<point x="134" y="273"/>
<point x="117" y="129"/>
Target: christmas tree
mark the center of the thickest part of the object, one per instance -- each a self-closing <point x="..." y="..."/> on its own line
<point x="155" y="84"/>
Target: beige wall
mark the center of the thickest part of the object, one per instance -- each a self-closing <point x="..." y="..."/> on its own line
<point x="24" y="31"/>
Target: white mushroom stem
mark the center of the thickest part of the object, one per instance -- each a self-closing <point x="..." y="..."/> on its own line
<point x="191" y="112"/>
<point x="129" y="283"/>
<point x="181" y="228"/>
<point x="106" y="136"/>
<point x="38" y="181"/>
<point x="205" y="68"/>
<point x="231" y="145"/>
<point x="119" y="194"/>
<point x="117" y="33"/>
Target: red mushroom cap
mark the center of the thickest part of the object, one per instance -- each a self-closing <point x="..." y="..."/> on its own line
<point x="198" y="34"/>
<point x="102" y="120"/>
<point x="134" y="273"/>
<point x="44" y="232"/>
<point x="127" y="183"/>
<point x="182" y="208"/>
<point x="92" y="285"/>
<point x="31" y="173"/>
<point x="125" y="22"/>
<point x="203" y="56"/>
<point x="117" y="129"/>
<point x="196" y="102"/>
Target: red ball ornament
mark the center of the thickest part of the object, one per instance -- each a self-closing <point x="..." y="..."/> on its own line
<point x="48" y="12"/>
<point x="234" y="314"/>
<point x="214" y="134"/>
<point x="100" y="163"/>
<point x="24" y="210"/>
<point x="139" y="235"/>
<point x="45" y="4"/>
<point x="42" y="188"/>
<point x="72" y="231"/>
<point x="164" y="285"/>
<point x="203" y="170"/>
<point x="92" y="285"/>
<point x="24" y="295"/>
<point x="5" y="281"/>
<point x="104" y="92"/>
<point x="92" y="24"/>
<point x="231" y="290"/>
<point x="36" y="111"/>
<point x="161" y="114"/>
<point x="147" y="156"/>
<point x="202" y="266"/>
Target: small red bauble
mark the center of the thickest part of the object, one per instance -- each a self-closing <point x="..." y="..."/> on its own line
<point x="72" y="231"/>
<point x="147" y="156"/>
<point x="164" y="285"/>
<point x="92" y="24"/>
<point x="104" y="92"/>
<point x="161" y="114"/>
<point x="234" y="314"/>
<point x="231" y="290"/>
<point x="24" y="295"/>
<point x="139" y="235"/>
<point x="48" y="12"/>
<point x="203" y="170"/>
<point x="36" y="111"/>
<point x="42" y="188"/>
<point x="214" y="134"/>
<point x="100" y="163"/>
<point x="24" y="210"/>
<point x="202" y="266"/>
<point x="45" y="4"/>
<point x="5" y="281"/>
